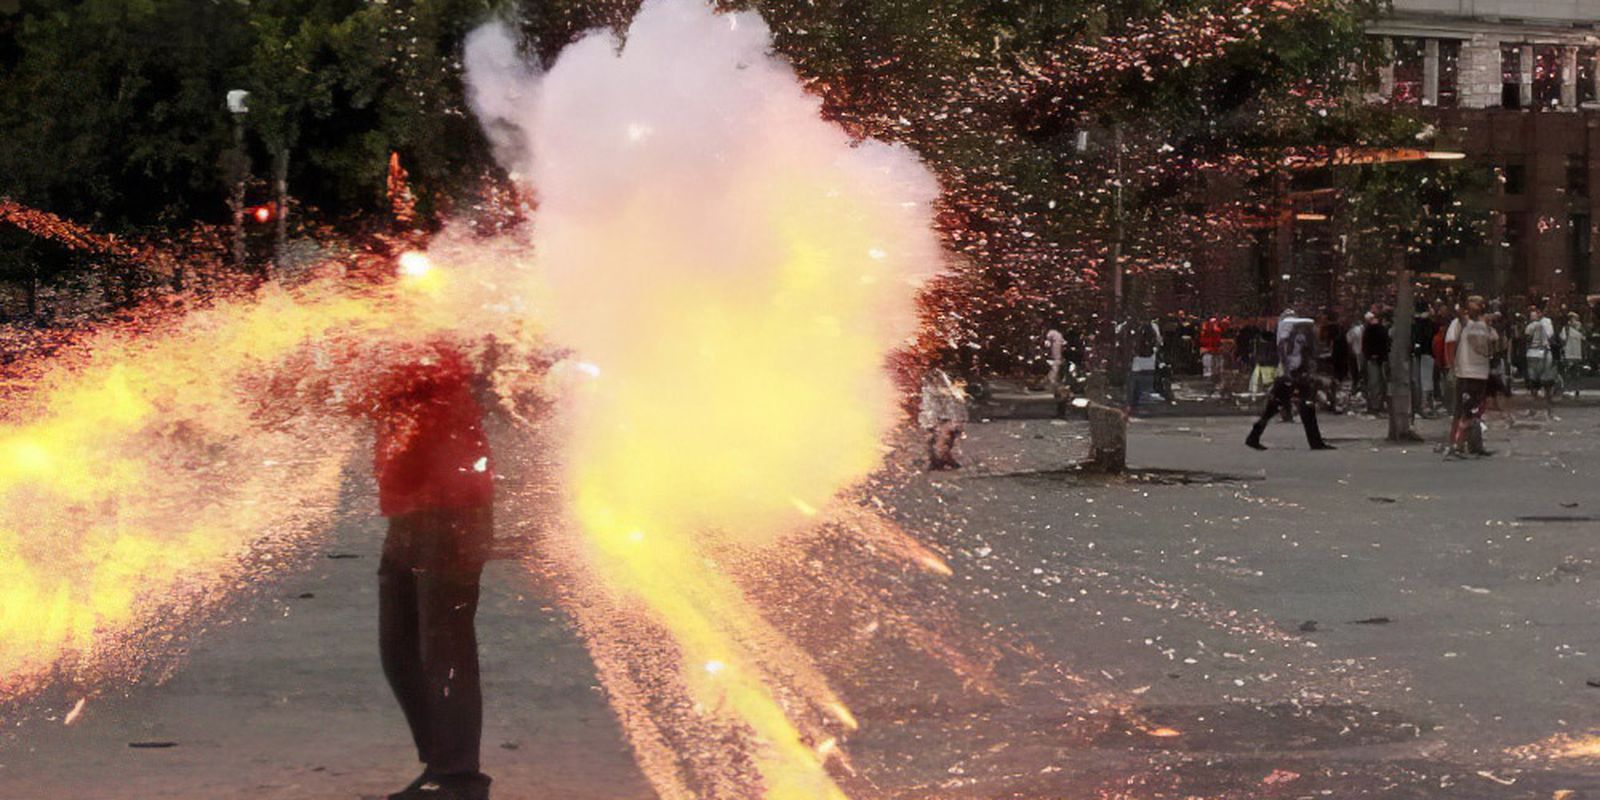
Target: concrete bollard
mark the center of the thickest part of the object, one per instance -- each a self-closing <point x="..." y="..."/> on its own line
<point x="1108" y="439"/>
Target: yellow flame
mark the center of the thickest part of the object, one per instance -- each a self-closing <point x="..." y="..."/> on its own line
<point x="141" y="476"/>
<point x="790" y="400"/>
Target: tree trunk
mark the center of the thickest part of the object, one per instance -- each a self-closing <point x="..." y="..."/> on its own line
<point x="280" y="180"/>
<point x="1400" y="387"/>
<point x="1098" y="385"/>
<point x="1108" y="439"/>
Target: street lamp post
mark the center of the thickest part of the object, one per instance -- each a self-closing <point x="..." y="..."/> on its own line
<point x="238" y="107"/>
<point x="1401" y="389"/>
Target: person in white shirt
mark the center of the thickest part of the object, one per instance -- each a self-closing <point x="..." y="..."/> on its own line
<point x="943" y="415"/>
<point x="1475" y="342"/>
<point x="1297" y="358"/>
<point x="1572" y="351"/>
<point x="1142" y="368"/>
<point x="1542" y="378"/>
<point x="1056" y="343"/>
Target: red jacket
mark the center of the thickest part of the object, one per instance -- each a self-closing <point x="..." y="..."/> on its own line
<point x="1211" y="337"/>
<point x="431" y="451"/>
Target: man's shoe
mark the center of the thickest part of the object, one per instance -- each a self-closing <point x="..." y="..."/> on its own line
<point x="1483" y="453"/>
<point x="1254" y="444"/>
<point x="411" y="791"/>
<point x="458" y="786"/>
<point x="1323" y="446"/>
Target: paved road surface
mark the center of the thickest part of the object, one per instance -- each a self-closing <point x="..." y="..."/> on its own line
<point x="1194" y="630"/>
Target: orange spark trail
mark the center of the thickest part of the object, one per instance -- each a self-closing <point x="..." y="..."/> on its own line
<point x="153" y="473"/>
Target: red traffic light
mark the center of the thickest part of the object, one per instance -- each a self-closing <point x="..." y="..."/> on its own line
<point x="263" y="213"/>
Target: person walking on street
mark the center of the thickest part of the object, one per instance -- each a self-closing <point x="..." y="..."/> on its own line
<point x="436" y="489"/>
<point x="1498" y="396"/>
<point x="1375" y="357"/>
<point x="1572" y="341"/>
<point x="1296" y="340"/>
<point x="1142" y="368"/>
<point x="1358" y="373"/>
<point x="943" y="414"/>
<point x="1211" y="352"/>
<point x="1056" y="342"/>
<point x="1422" y="327"/>
<point x="1474" y="347"/>
<point x="1540" y="335"/>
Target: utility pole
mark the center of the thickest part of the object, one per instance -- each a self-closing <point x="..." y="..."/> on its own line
<point x="1400" y="387"/>
<point x="1100" y="382"/>
<point x="280" y="180"/>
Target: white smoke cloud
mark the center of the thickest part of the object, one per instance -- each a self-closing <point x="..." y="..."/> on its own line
<point x="733" y="272"/>
<point x="687" y="117"/>
<point x="500" y="89"/>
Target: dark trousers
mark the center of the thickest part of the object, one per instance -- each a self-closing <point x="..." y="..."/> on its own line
<point x="427" y="601"/>
<point x="1465" y="430"/>
<point x="1139" y="385"/>
<point x="1300" y="390"/>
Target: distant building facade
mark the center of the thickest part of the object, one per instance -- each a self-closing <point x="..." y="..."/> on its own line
<point x="1515" y="84"/>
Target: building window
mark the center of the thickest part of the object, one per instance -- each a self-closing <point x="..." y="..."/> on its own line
<point x="1513" y="177"/>
<point x="1577" y="176"/>
<point x="1449" y="73"/>
<point x="1511" y="76"/>
<point x="1586" y="74"/>
<point x="1511" y="238"/>
<point x="1546" y="76"/>
<point x="1408" y="70"/>
<point x="1579" y="247"/>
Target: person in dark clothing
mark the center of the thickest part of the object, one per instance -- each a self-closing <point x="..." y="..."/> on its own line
<point x="1375" y="357"/>
<point x="436" y="488"/>
<point x="1422" y="330"/>
<point x="1338" y="348"/>
<point x="1296" y="341"/>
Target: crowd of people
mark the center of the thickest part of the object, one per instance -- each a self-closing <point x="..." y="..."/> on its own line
<point x="1467" y="358"/>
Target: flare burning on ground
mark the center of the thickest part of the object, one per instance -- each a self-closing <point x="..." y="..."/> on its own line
<point x="736" y="271"/>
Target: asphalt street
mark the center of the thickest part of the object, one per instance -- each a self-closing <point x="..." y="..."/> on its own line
<point x="1220" y="623"/>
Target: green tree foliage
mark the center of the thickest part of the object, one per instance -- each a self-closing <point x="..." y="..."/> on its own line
<point x="111" y="112"/>
<point x="996" y="93"/>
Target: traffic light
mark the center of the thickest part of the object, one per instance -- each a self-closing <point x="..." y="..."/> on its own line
<point x="262" y="214"/>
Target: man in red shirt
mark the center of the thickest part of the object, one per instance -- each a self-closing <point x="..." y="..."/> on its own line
<point x="436" y="487"/>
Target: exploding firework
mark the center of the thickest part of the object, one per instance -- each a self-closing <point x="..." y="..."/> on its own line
<point x="736" y="271"/>
<point x="731" y="274"/>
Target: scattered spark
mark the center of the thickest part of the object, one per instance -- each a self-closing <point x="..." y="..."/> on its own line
<point x="414" y="264"/>
<point x="843" y="715"/>
<point x="77" y="710"/>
